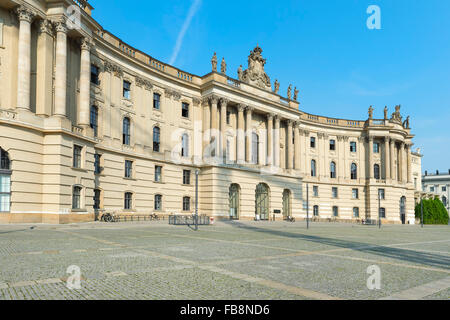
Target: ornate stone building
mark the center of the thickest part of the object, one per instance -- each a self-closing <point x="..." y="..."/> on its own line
<point x="89" y="124"/>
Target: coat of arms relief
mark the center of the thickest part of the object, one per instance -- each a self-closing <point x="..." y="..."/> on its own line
<point x="255" y="74"/>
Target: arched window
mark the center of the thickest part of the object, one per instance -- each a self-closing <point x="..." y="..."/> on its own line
<point x="286" y="203"/>
<point x="262" y="201"/>
<point x="316" y="211"/>
<point x="126" y="131"/>
<point x="128" y="201"/>
<point x="376" y="171"/>
<point x="255" y="148"/>
<point x="333" y="170"/>
<point x="185" y="145"/>
<point x="76" y="197"/>
<point x="5" y="181"/>
<point x="156" y="139"/>
<point x="234" y="201"/>
<point x="444" y="201"/>
<point x="353" y="172"/>
<point x="313" y="168"/>
<point x="94" y="120"/>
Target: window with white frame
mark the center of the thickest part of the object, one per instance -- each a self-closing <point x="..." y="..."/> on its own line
<point x="76" y="197"/>
<point x="185" y="145"/>
<point x="158" y="202"/>
<point x="186" y="203"/>
<point x="355" y="193"/>
<point x="315" y="191"/>
<point x="334" y="192"/>
<point x="126" y="89"/>
<point x="5" y="182"/>
<point x="316" y="211"/>
<point x="355" y="212"/>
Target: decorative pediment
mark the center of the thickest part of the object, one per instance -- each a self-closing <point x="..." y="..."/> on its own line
<point x="255" y="74"/>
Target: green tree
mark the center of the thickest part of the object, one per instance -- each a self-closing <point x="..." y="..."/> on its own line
<point x="434" y="211"/>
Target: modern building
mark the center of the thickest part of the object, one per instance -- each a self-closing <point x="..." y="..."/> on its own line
<point x="90" y="124"/>
<point x="438" y="184"/>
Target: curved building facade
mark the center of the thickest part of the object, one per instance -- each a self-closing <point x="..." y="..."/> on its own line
<point x="89" y="124"/>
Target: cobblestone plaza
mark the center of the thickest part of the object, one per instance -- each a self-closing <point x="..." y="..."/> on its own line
<point x="228" y="260"/>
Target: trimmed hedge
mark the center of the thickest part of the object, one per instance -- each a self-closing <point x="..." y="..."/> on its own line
<point x="434" y="211"/>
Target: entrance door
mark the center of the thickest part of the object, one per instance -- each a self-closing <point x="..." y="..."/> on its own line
<point x="286" y="204"/>
<point x="403" y="209"/>
<point x="262" y="201"/>
<point x="234" y="201"/>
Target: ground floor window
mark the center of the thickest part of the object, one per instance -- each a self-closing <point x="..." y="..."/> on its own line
<point x="335" y="211"/>
<point x="356" y="212"/>
<point x="128" y="200"/>
<point x="76" y="197"/>
<point x="158" y="202"/>
<point x="186" y="203"/>
<point x="5" y="192"/>
<point x="316" y="211"/>
<point x="97" y="194"/>
<point x="382" y="213"/>
<point x="234" y="201"/>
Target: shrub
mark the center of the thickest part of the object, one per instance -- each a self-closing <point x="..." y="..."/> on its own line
<point x="434" y="211"/>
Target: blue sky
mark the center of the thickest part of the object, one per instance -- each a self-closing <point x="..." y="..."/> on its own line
<point x="322" y="47"/>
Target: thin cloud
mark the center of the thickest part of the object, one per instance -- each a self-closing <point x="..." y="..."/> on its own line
<point x="192" y="11"/>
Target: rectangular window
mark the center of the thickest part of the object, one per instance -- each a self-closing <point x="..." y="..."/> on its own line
<point x="97" y="165"/>
<point x="94" y="75"/>
<point x="316" y="211"/>
<point x="334" y="192"/>
<point x="186" y="176"/>
<point x="382" y="213"/>
<point x="381" y="193"/>
<point x="77" y="156"/>
<point x="444" y="189"/>
<point x="315" y="191"/>
<point x="332" y="145"/>
<point x="76" y="197"/>
<point x="355" y="212"/>
<point x="97" y="194"/>
<point x="431" y="189"/>
<point x="355" y="193"/>
<point x="128" y="201"/>
<point x="352" y="146"/>
<point x="126" y="89"/>
<point x="186" y="203"/>
<point x="335" y="211"/>
<point x="158" y="171"/>
<point x="158" y="202"/>
<point x="313" y="142"/>
<point x="93" y="120"/>
<point x="5" y="192"/>
<point x="376" y="147"/>
<point x="128" y="169"/>
<point x="185" y="110"/>
<point x="228" y="117"/>
<point x="156" y="101"/>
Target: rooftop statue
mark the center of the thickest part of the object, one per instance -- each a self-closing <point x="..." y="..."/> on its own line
<point x="396" y="116"/>
<point x="276" y="86"/>
<point x="295" y="93"/>
<point x="370" y="112"/>
<point x="214" y="62"/>
<point x="240" y="73"/>
<point x="255" y="74"/>
<point x="223" y="66"/>
<point x="289" y="92"/>
<point x="406" y="123"/>
<point x="385" y="113"/>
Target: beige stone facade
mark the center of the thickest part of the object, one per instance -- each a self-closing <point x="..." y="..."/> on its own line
<point x="89" y="124"/>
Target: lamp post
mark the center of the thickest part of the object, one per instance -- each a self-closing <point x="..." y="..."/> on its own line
<point x="196" y="199"/>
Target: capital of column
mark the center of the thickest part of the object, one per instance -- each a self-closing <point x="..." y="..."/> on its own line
<point x="61" y="25"/>
<point x="86" y="44"/>
<point x="270" y="116"/>
<point x="277" y="119"/>
<point x="241" y="107"/>
<point x="224" y="101"/>
<point x="250" y="109"/>
<point x="386" y="139"/>
<point x="25" y="14"/>
<point x="213" y="99"/>
<point x="297" y="124"/>
<point x="46" y="26"/>
<point x="289" y="122"/>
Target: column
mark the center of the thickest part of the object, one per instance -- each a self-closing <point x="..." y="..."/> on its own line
<point x="85" y="83"/>
<point x="387" y="161"/>
<point x="400" y="162"/>
<point x="370" y="158"/>
<point x="297" y="145"/>
<point x="277" y="142"/>
<point x="248" y="133"/>
<point x="214" y="124"/>
<point x="206" y="126"/>
<point x="290" y="154"/>
<point x="24" y="58"/>
<point x="61" y="68"/>
<point x="44" y="81"/>
<point x="223" y="126"/>
<point x="392" y="153"/>
<point x="270" y="139"/>
<point x="408" y="163"/>
<point x="240" y="135"/>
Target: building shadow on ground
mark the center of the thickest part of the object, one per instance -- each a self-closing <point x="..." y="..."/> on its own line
<point x="417" y="257"/>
